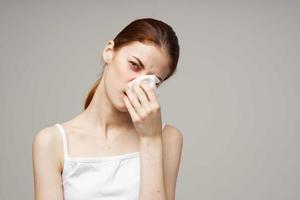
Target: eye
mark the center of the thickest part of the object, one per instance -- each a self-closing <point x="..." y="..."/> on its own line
<point x="134" y="64"/>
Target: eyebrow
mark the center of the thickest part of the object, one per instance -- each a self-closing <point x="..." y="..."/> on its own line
<point x="141" y="63"/>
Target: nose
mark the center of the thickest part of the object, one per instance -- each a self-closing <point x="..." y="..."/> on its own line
<point x="138" y="75"/>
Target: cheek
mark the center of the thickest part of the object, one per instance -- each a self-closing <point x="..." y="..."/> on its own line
<point x="119" y="76"/>
<point x="120" y="72"/>
<point x="123" y="71"/>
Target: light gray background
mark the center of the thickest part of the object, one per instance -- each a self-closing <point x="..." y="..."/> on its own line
<point x="235" y="96"/>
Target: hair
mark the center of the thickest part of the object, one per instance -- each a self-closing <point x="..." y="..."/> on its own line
<point x="145" y="30"/>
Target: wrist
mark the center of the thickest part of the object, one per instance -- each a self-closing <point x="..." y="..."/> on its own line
<point x="151" y="140"/>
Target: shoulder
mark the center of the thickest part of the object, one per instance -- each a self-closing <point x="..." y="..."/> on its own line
<point x="172" y="139"/>
<point x="172" y="134"/>
<point x="45" y="138"/>
<point x="46" y="144"/>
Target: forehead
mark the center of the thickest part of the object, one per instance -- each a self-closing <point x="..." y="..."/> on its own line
<point x="153" y="57"/>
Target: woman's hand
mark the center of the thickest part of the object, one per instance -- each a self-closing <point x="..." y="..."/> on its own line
<point x="144" y="110"/>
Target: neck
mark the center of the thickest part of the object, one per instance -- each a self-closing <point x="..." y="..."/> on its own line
<point x="102" y="115"/>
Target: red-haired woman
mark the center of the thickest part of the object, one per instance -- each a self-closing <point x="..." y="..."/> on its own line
<point x="117" y="148"/>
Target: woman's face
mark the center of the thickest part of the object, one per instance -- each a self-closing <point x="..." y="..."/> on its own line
<point x="123" y="66"/>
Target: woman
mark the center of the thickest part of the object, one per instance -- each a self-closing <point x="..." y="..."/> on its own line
<point x="116" y="148"/>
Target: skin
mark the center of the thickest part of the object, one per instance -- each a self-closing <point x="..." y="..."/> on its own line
<point x="114" y="124"/>
<point x="108" y="110"/>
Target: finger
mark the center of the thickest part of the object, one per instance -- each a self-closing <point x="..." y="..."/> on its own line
<point x="142" y="97"/>
<point x="150" y="92"/>
<point x="134" y="101"/>
<point x="130" y="109"/>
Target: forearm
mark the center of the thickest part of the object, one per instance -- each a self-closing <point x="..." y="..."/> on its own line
<point x="151" y="171"/>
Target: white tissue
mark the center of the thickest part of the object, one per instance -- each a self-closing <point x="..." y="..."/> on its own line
<point x="151" y="80"/>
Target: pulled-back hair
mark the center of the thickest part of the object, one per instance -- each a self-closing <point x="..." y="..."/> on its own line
<point x="145" y="30"/>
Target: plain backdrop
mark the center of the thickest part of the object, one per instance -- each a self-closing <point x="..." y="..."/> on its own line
<point x="235" y="96"/>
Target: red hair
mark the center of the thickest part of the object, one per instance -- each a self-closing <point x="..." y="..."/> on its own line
<point x="145" y="30"/>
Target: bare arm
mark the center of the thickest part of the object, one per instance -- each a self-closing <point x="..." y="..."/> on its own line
<point x="46" y="166"/>
<point x="145" y="115"/>
<point x="172" y="148"/>
<point x="151" y="182"/>
<point x="152" y="177"/>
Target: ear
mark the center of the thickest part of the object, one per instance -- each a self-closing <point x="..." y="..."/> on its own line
<point x="108" y="51"/>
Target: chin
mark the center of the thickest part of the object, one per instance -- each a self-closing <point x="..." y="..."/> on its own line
<point x="124" y="109"/>
<point x="121" y="106"/>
